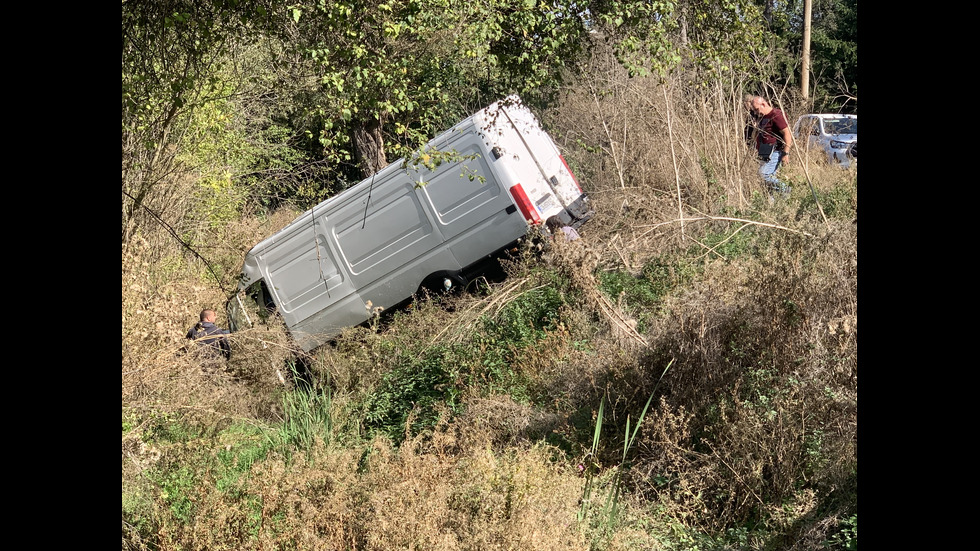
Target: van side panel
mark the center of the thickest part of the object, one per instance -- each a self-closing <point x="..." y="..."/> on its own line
<point x="301" y="270"/>
<point x="377" y="237"/>
<point x="329" y="322"/>
<point x="379" y="230"/>
<point x="465" y="192"/>
<point x="455" y="198"/>
<point x="373" y="245"/>
<point x="470" y="202"/>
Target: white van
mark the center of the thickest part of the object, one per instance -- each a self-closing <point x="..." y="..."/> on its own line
<point x="377" y="243"/>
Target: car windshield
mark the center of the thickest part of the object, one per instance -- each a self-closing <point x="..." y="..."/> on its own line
<point x="841" y="126"/>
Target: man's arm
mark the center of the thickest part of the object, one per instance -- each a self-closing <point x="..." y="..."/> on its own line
<point x="787" y="139"/>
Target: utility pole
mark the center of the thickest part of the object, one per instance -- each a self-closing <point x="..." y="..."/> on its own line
<point x="805" y="77"/>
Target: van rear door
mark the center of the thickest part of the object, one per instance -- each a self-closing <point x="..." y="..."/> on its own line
<point x="529" y="154"/>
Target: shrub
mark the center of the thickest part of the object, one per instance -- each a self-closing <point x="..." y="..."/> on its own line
<point x="846" y="537"/>
<point x="527" y="318"/>
<point x="406" y="400"/>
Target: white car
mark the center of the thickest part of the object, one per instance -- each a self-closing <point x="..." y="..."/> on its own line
<point x="834" y="134"/>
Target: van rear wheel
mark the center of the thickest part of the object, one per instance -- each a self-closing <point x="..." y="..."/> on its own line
<point x="444" y="283"/>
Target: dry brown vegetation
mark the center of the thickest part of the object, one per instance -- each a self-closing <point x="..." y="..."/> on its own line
<point x="750" y="441"/>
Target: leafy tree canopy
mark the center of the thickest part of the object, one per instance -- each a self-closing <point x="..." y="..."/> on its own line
<point x="406" y="68"/>
<point x="330" y="90"/>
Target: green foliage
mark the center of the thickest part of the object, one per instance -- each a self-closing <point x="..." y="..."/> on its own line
<point x="211" y="148"/>
<point x="189" y="464"/>
<point x="177" y="491"/>
<point x="164" y="428"/>
<point x="608" y="516"/>
<point x="834" y="57"/>
<point x="525" y="319"/>
<point x="308" y="419"/>
<point x="636" y="290"/>
<point x="833" y="49"/>
<point x="723" y="35"/>
<point x="409" y="397"/>
<point x="245" y="446"/>
<point x="423" y="384"/>
<point x="816" y="455"/>
<point x="173" y="58"/>
<point x="497" y="369"/>
<point x="642" y="34"/>
<point x="729" y="244"/>
<point x="839" y="202"/>
<point x="175" y="481"/>
<point x="846" y="538"/>
<point x="678" y="537"/>
<point x="761" y="392"/>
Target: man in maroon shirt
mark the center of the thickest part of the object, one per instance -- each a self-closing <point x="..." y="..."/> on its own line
<point x="773" y="143"/>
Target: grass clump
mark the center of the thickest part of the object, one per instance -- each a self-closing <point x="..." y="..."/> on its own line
<point x="641" y="295"/>
<point x="309" y="419"/>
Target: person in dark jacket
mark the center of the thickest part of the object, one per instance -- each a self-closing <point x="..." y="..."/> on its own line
<point x="209" y="337"/>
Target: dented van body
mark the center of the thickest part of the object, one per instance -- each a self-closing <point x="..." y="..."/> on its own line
<point x="374" y="245"/>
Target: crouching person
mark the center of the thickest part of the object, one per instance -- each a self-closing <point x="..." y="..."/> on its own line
<point x="211" y="340"/>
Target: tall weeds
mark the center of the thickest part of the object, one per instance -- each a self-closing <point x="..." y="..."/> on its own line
<point x="606" y="518"/>
<point x="308" y="419"/>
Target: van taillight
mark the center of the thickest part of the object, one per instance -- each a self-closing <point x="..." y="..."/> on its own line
<point x="570" y="172"/>
<point x="523" y="203"/>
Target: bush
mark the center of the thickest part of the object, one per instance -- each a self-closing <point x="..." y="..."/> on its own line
<point x="641" y="295"/>
<point x="406" y="402"/>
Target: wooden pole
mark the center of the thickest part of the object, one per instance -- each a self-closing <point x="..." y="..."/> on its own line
<point x="805" y="77"/>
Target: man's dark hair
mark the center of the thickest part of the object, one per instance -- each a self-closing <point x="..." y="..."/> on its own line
<point x="553" y="223"/>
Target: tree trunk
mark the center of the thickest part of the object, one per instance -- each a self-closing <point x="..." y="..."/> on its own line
<point x="767" y="10"/>
<point x="683" y="22"/>
<point x="369" y="149"/>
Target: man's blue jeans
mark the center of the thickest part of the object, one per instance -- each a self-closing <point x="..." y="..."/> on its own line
<point x="768" y="173"/>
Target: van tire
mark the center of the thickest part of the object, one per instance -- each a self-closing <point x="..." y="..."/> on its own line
<point x="436" y="283"/>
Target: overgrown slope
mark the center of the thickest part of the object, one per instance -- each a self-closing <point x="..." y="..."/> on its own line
<point x="474" y="422"/>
